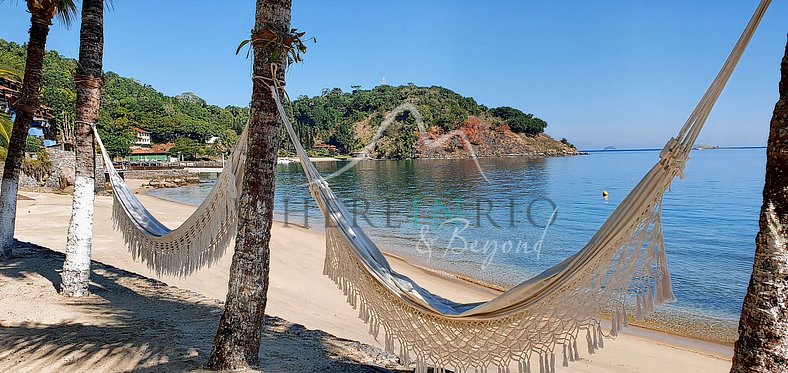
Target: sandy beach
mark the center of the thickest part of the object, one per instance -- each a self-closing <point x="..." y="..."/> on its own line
<point x="299" y="294"/>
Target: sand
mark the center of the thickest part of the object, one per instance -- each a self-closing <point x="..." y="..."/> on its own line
<point x="298" y="293"/>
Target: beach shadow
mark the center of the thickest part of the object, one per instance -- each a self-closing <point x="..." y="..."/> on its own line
<point x="24" y="251"/>
<point x="135" y="324"/>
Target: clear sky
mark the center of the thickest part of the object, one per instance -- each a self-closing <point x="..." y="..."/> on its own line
<point x="622" y="73"/>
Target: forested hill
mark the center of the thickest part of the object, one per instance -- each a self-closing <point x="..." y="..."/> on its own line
<point x="350" y="120"/>
<point x="125" y="104"/>
<point x="334" y="122"/>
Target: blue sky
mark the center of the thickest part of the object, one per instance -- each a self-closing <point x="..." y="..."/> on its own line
<point x="623" y="73"/>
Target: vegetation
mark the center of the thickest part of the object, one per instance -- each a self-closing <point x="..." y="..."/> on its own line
<point x="125" y="104"/>
<point x="5" y="129"/>
<point x="33" y="144"/>
<point x="567" y="143"/>
<point x="330" y="118"/>
<point x="38" y="167"/>
<point x="42" y="13"/>
<point x="187" y="149"/>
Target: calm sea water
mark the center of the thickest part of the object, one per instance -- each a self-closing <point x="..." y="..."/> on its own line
<point x="445" y="215"/>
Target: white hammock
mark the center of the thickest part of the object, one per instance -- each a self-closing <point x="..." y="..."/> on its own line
<point x="199" y="241"/>
<point x="622" y="271"/>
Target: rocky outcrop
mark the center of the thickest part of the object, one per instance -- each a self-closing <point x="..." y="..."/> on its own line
<point x="165" y="182"/>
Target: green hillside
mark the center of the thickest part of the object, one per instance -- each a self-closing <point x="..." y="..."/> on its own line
<point x="340" y="119"/>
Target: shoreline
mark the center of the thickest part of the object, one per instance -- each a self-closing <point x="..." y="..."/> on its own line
<point x="659" y="322"/>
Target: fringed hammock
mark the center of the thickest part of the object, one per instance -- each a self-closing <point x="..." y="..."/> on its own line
<point x="621" y="272"/>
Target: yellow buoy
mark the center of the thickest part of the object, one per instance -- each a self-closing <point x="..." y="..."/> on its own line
<point x="604" y="194"/>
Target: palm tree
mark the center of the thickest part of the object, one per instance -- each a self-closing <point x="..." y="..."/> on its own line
<point x="76" y="268"/>
<point x="41" y="14"/>
<point x="237" y="341"/>
<point x="763" y="327"/>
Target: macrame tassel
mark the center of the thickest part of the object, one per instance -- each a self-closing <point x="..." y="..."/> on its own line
<point x="601" y="337"/>
<point x="552" y="363"/>
<point x="574" y="347"/>
<point x="667" y="287"/>
<point x="639" y="309"/>
<point x="591" y="344"/>
<point x="614" y="324"/>
<point x="528" y="366"/>
<point x="541" y="364"/>
<point x="626" y="318"/>
<point x="420" y="367"/>
<point x="566" y="359"/>
<point x="660" y="296"/>
<point x="649" y="301"/>
<point x="388" y="345"/>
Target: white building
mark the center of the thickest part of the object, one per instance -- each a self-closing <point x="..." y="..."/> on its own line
<point x="143" y="137"/>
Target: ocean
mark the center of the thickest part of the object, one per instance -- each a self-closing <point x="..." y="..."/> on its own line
<point x="507" y="219"/>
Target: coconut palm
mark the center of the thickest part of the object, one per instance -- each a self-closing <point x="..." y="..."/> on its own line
<point x="76" y="268"/>
<point x="42" y="12"/>
<point x="237" y="339"/>
<point x="763" y="327"/>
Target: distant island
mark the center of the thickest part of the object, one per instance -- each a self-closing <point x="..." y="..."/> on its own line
<point x="610" y="147"/>
<point x="136" y="118"/>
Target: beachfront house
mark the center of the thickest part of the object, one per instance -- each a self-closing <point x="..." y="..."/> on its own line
<point x="142" y="137"/>
<point x="157" y="153"/>
<point x="9" y="89"/>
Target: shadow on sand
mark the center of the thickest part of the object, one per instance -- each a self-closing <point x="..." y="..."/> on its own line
<point x="133" y="323"/>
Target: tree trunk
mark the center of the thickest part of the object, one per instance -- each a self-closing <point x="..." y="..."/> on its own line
<point x="763" y="327"/>
<point x="29" y="101"/>
<point x="237" y="340"/>
<point x="76" y="268"/>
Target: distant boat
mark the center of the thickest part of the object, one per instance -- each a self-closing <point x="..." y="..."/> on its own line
<point x="361" y="155"/>
<point x="705" y="147"/>
<point x="283" y="160"/>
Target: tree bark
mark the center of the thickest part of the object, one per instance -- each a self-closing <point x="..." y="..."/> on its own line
<point x="76" y="268"/>
<point x="237" y="341"/>
<point x="29" y="101"/>
<point x="763" y="327"/>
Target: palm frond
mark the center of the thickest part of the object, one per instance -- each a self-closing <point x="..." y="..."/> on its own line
<point x="5" y="129"/>
<point x="66" y="11"/>
<point x="10" y="74"/>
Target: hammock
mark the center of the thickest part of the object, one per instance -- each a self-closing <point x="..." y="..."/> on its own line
<point x="621" y="272"/>
<point x="199" y="241"/>
<point x="624" y="263"/>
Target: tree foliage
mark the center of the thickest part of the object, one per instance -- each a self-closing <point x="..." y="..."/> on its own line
<point x="125" y="104"/>
<point x="329" y="118"/>
<point x="518" y="121"/>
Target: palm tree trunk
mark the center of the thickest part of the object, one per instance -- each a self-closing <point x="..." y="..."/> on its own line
<point x="763" y="327"/>
<point x="29" y="101"/>
<point x="237" y="341"/>
<point x="76" y="268"/>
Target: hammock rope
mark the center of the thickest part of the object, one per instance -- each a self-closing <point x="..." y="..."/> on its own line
<point x="622" y="271"/>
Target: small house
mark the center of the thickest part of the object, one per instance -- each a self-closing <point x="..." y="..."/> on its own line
<point x="142" y="137"/>
<point x="156" y="153"/>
